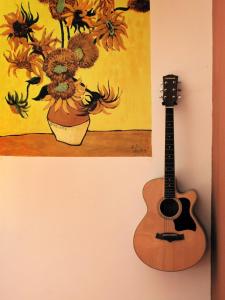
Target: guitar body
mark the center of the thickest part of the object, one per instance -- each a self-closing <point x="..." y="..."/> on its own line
<point x="169" y="244"/>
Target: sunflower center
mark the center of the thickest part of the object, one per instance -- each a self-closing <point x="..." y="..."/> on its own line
<point x="60" y="6"/>
<point x="59" y="69"/>
<point x="21" y="29"/>
<point x="78" y="13"/>
<point x="62" y="87"/>
<point x="78" y="21"/>
<point x="110" y="26"/>
<point x="79" y="53"/>
<point x="37" y="48"/>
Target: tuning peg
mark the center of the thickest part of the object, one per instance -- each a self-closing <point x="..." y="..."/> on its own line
<point x="179" y="97"/>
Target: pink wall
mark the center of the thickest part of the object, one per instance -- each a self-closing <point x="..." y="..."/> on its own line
<point x="219" y="150"/>
<point x="66" y="224"/>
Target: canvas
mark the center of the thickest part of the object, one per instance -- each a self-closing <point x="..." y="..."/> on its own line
<point x="75" y="78"/>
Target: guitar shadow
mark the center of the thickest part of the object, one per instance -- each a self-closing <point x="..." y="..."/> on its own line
<point x="214" y="246"/>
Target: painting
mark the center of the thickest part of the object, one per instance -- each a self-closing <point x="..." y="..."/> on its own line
<point x="75" y="78"/>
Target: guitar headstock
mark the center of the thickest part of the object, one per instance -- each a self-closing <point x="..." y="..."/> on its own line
<point x="170" y="90"/>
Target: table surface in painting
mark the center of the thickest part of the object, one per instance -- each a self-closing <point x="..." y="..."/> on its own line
<point x="109" y="143"/>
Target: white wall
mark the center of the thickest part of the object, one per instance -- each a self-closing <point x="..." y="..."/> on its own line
<point x="66" y="224"/>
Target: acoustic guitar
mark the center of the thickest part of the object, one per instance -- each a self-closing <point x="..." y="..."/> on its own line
<point x="169" y="238"/>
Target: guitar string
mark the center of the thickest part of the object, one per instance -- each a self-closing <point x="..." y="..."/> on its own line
<point x="169" y="119"/>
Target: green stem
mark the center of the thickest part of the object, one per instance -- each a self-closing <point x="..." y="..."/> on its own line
<point x="28" y="87"/>
<point x="62" y="32"/>
<point x="68" y="33"/>
<point x="32" y="40"/>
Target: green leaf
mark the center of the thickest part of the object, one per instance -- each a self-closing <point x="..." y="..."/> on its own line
<point x="34" y="80"/>
<point x="43" y="92"/>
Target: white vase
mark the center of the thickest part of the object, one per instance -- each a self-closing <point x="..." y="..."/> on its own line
<point x="69" y="128"/>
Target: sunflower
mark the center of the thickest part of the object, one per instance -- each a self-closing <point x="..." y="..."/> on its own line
<point x="19" y="26"/>
<point x="84" y="48"/>
<point x="65" y="95"/>
<point x="96" y="102"/>
<point x="60" y="64"/>
<point x="58" y="8"/>
<point x="18" y="104"/>
<point x="105" y="6"/>
<point x="139" y="5"/>
<point x="108" y="31"/>
<point x="44" y="1"/>
<point x="45" y="45"/>
<point x="80" y="15"/>
<point x="23" y="60"/>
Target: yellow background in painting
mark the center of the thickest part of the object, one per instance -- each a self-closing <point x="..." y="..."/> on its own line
<point x="129" y="70"/>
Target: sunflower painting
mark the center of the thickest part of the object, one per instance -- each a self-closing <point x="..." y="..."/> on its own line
<point x="75" y="78"/>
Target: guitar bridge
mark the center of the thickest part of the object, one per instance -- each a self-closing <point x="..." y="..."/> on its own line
<point x="170" y="236"/>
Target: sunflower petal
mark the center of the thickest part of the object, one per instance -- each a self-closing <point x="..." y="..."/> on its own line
<point x="58" y="104"/>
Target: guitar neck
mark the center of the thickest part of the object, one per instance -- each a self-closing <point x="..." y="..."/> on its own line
<point x="169" y="191"/>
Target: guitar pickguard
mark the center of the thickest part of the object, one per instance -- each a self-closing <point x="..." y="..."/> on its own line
<point x="185" y="221"/>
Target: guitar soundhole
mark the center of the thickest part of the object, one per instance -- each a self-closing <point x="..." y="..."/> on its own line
<point x="169" y="207"/>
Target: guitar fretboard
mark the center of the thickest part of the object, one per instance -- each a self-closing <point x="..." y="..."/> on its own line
<point x="169" y="191"/>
